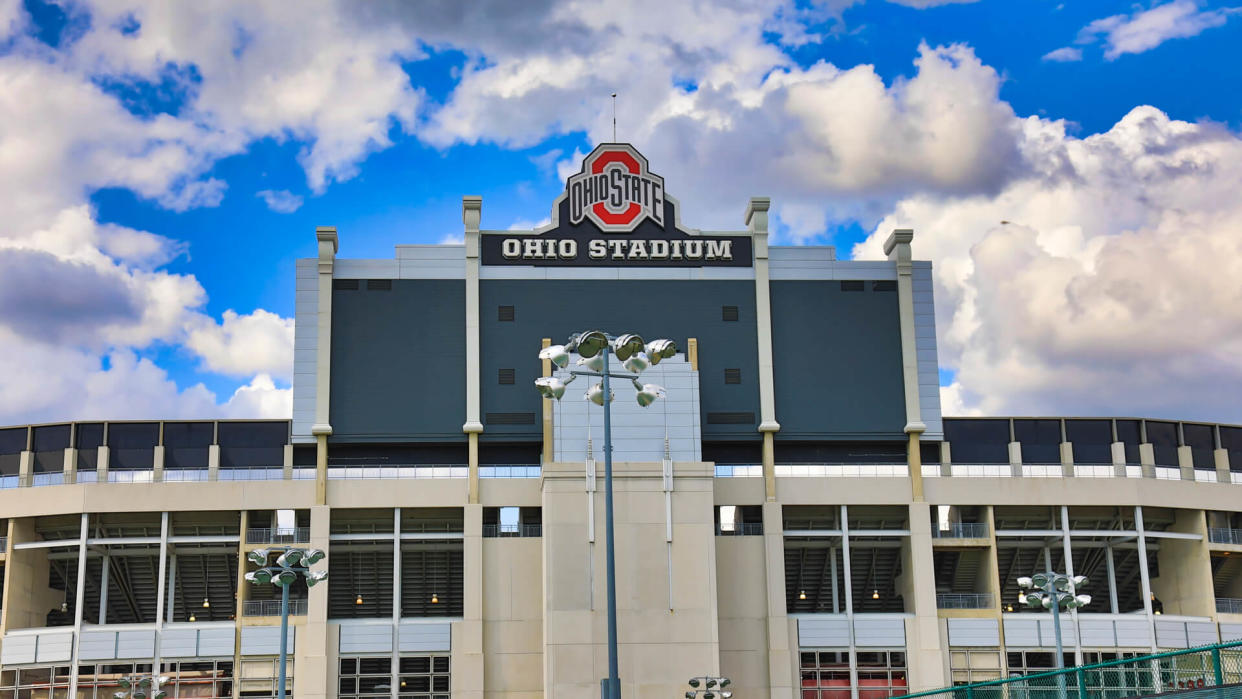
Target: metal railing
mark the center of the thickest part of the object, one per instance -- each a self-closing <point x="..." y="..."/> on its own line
<point x="511" y="471"/>
<point x="739" y="471"/>
<point x="126" y="476"/>
<point x="842" y="470"/>
<point x="1217" y="665"/>
<point x="187" y="475"/>
<point x="740" y="529"/>
<point x="1225" y="536"/>
<point x="282" y="535"/>
<point x="1229" y="605"/>
<point x="397" y="472"/>
<point x="961" y="530"/>
<point x="491" y="531"/>
<point x="963" y="600"/>
<point x="271" y="607"/>
<point x="258" y="473"/>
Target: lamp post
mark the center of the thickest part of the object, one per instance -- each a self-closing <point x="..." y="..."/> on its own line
<point x="142" y="687"/>
<point x="709" y="688"/>
<point x="291" y="563"/>
<point x="1052" y="591"/>
<point x="635" y="355"/>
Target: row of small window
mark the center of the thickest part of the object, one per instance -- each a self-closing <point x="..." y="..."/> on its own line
<point x="199" y="679"/>
<point x="423" y="676"/>
<point x="826" y="674"/>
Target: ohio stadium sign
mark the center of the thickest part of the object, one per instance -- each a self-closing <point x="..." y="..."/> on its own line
<point x="614" y="213"/>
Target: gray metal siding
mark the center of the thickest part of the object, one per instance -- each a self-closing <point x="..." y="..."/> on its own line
<point x="829" y="632"/>
<point x="305" y="347"/>
<point x="176" y="643"/>
<point x="18" y="649"/>
<point x="423" y="638"/>
<point x="55" y="647"/>
<point x="398" y="362"/>
<point x="653" y="308"/>
<point x="264" y="640"/>
<point x="366" y="638"/>
<point x="837" y="367"/>
<point x="974" y="632"/>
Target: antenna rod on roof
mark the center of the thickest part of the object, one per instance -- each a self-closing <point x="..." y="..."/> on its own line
<point x="614" y="117"/>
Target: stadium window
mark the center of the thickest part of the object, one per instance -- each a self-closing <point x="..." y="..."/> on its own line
<point x="379" y="285"/>
<point x="732" y="376"/>
<point x="884" y="285"/>
<point x="505" y="314"/>
<point x="852" y="285"/>
<point x="728" y="313"/>
<point x="507" y="377"/>
<point x="344" y="284"/>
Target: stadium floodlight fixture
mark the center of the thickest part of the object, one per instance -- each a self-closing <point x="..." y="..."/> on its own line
<point x="1040" y="580"/>
<point x="286" y="577"/>
<point x="648" y="393"/>
<point x="589" y="343"/>
<point x="595" y="394"/>
<point x="289" y="558"/>
<point x="552" y="387"/>
<point x="123" y="683"/>
<point x="1079" y="580"/>
<point x="1025" y="583"/>
<point x="261" y="576"/>
<point x="694" y="682"/>
<point x="637" y="363"/>
<point x="557" y="354"/>
<point x="628" y="345"/>
<point x="314" y="556"/>
<point x="594" y="363"/>
<point x="259" y="556"/>
<point x="660" y="349"/>
<point x="314" y="577"/>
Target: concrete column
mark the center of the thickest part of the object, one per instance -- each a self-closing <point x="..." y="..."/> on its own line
<point x="322" y="427"/>
<point x="101" y="464"/>
<point x="897" y="248"/>
<point x="1221" y="459"/>
<point x="161" y="582"/>
<point x="213" y="462"/>
<point x="467" y="655"/>
<point x="78" y="599"/>
<point x="71" y="465"/>
<point x="471" y="214"/>
<point x="946" y="459"/>
<point x="780" y="656"/>
<point x="242" y="592"/>
<point x="757" y="221"/>
<point x="1067" y="552"/>
<point x="1015" y="458"/>
<point x="27" y="595"/>
<point x="1186" y="462"/>
<point x="25" y="469"/>
<point x="287" y="462"/>
<point x="157" y="463"/>
<point x="1067" y="458"/>
<point x="1144" y="575"/>
<point x="923" y="651"/>
<point x="1185" y="584"/>
<point x="1147" y="457"/>
<point x="312" y="658"/>
<point x="1119" y="459"/>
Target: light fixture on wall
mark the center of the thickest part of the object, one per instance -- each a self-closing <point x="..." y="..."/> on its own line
<point x="434" y="599"/>
<point x="875" y="594"/>
<point x="192" y="617"/>
<point x="358" y="599"/>
<point x="206" y="603"/>
<point x="802" y="594"/>
<point x="1021" y="598"/>
<point x="1009" y="607"/>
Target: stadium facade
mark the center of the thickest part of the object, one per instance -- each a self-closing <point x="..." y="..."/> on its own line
<point x="795" y="514"/>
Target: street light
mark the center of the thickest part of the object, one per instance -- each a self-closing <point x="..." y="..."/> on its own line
<point x="141" y="687"/>
<point x="709" y="688"/>
<point x="592" y="347"/>
<point x="291" y="563"/>
<point x="1052" y="591"/>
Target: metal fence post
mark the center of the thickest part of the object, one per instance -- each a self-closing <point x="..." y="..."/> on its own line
<point x="970" y="692"/>
<point x="1082" y="683"/>
<point x="1217" y="672"/>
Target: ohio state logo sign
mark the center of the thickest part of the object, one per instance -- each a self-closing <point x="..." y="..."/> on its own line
<point x="615" y="190"/>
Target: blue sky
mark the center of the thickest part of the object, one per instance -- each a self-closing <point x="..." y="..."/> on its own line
<point x="178" y="159"/>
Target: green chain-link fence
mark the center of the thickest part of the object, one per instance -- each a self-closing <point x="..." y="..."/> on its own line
<point x="1195" y="673"/>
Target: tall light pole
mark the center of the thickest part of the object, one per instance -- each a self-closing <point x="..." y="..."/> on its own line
<point x="1052" y="591"/>
<point x="635" y="356"/>
<point x="291" y="563"/>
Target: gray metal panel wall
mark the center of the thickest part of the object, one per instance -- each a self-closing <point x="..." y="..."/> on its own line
<point x="264" y="640"/>
<point x="54" y="647"/>
<point x="18" y="649"/>
<point x="366" y="638"/>
<point x="925" y="348"/>
<point x="98" y="645"/>
<point x="423" y="638"/>
<point x="1020" y="632"/>
<point x="1097" y="633"/>
<point x="177" y="643"/>
<point x="837" y="367"/>
<point x="305" y="347"/>
<point x="879" y="633"/>
<point x="398" y="362"/>
<point x="829" y="632"/>
<point x="974" y="632"/>
<point x="652" y="308"/>
<point x="217" y="642"/>
<point x="135" y="644"/>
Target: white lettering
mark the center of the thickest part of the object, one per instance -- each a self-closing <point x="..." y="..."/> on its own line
<point x="618" y="249"/>
<point x="511" y="248"/>
<point x="638" y="250"/>
<point x="531" y="249"/>
<point x="676" y="250"/>
<point x="659" y="249"/>
<point x="567" y="249"/>
<point x="694" y="249"/>
<point x="719" y="250"/>
<point x="598" y="249"/>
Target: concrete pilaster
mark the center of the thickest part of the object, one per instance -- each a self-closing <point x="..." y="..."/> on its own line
<point x="213" y="462"/>
<point x="71" y="465"/>
<point x="313" y="659"/>
<point x="1221" y="458"/>
<point x="101" y="464"/>
<point x="1147" y="457"/>
<point x="1015" y="458"/>
<point x="467" y="653"/>
<point x="1186" y="463"/>
<point x="1067" y="459"/>
<point x="1185" y="582"/>
<point x="757" y="222"/>
<point x="25" y="470"/>
<point x="923" y="651"/>
<point x="781" y="657"/>
<point x="157" y="464"/>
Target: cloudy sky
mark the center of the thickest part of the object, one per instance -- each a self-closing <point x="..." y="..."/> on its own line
<point x="1073" y="168"/>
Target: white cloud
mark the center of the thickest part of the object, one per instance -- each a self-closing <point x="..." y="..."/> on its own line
<point x="281" y="201"/>
<point x="260" y="398"/>
<point x="244" y="345"/>
<point x="1112" y="289"/>
<point x="1065" y="54"/>
<point x="1145" y="30"/>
